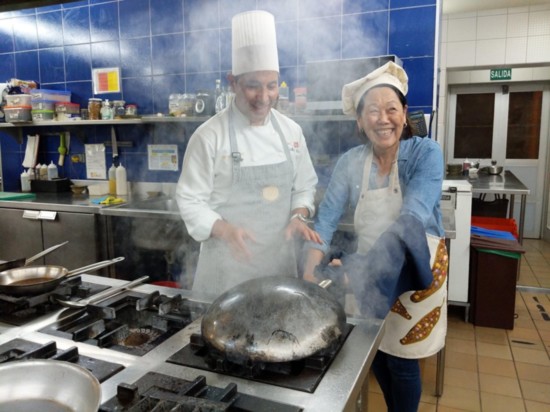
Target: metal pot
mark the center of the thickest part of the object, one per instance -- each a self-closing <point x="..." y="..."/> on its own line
<point x="32" y="280"/>
<point x="48" y="385"/>
<point x="273" y="319"/>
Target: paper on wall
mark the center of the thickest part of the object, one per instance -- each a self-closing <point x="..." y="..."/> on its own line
<point x="31" y="151"/>
<point x="95" y="161"/>
<point x="163" y="156"/>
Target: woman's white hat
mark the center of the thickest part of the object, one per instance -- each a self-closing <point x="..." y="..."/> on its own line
<point x="389" y="73"/>
<point x="254" y="42"/>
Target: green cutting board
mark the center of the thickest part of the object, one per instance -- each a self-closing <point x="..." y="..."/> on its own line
<point x="16" y="196"/>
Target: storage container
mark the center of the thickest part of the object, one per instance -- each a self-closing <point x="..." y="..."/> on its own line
<point x="15" y="100"/>
<point x="67" y="107"/>
<point x="18" y="114"/>
<point x="56" y="95"/>
<point x="42" y="115"/>
<point x="40" y="104"/>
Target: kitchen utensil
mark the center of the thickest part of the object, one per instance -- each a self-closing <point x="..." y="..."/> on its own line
<point x="24" y="262"/>
<point x="494" y="169"/>
<point x="48" y="385"/>
<point x="62" y="149"/>
<point x="114" y="145"/>
<point x="31" y="280"/>
<point x="98" y="297"/>
<point x="273" y="319"/>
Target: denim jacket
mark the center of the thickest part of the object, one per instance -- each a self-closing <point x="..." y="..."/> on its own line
<point x="421" y="169"/>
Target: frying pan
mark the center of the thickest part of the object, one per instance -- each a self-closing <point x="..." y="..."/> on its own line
<point x="24" y="262"/>
<point x="32" y="280"/>
<point x="273" y="319"/>
<point x="48" y="385"/>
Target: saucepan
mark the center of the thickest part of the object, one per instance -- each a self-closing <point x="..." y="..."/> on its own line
<point x="32" y="280"/>
<point x="273" y="319"/>
<point x="48" y="385"/>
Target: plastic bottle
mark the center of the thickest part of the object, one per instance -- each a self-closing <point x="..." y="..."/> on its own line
<point x="106" y="110"/>
<point x="44" y="172"/>
<point x="283" y="103"/>
<point x="25" y="181"/>
<point x="52" y="171"/>
<point x="112" y="180"/>
<point x="121" y="181"/>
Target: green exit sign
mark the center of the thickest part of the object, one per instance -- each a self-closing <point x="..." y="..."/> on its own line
<point x="501" y="74"/>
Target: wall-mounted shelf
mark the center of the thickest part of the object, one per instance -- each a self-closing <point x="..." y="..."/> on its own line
<point x="15" y="129"/>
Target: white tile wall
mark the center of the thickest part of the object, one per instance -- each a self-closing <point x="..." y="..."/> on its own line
<point x="461" y="29"/>
<point x="490" y="52"/>
<point x="517" y="25"/>
<point x="516" y="50"/>
<point x="461" y="53"/>
<point x="491" y="27"/>
<point x="538" y="49"/>
<point x="514" y="36"/>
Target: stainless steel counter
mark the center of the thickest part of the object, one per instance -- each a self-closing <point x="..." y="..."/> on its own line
<point x="506" y="184"/>
<point x="338" y="390"/>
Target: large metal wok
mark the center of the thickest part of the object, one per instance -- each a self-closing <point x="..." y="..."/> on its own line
<point x="48" y="385"/>
<point x="273" y="319"/>
<point x="32" y="280"/>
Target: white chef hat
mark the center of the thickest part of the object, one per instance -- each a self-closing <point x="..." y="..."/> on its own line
<point x="254" y="42"/>
<point x="390" y="73"/>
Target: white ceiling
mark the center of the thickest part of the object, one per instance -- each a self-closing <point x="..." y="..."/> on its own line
<point x="463" y="6"/>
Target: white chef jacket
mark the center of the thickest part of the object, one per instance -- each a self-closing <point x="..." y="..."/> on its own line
<point x="206" y="177"/>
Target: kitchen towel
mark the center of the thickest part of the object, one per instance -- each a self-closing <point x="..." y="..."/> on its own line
<point x="31" y="151"/>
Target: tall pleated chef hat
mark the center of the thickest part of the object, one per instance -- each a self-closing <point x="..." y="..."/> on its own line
<point x="254" y="42"/>
<point x="389" y="73"/>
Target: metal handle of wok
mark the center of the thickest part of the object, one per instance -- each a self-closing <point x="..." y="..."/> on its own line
<point x="98" y="297"/>
<point x="94" y="266"/>
<point x="44" y="252"/>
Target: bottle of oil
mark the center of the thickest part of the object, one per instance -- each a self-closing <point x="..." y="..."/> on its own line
<point x="112" y="180"/>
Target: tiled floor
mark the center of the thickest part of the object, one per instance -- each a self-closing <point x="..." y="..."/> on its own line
<point x="495" y="370"/>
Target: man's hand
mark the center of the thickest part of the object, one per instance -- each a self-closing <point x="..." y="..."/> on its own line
<point x="236" y="237"/>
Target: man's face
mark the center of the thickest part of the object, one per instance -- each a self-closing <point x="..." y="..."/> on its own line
<point x="255" y="94"/>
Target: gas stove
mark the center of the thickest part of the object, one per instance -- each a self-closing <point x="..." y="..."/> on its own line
<point x="143" y="333"/>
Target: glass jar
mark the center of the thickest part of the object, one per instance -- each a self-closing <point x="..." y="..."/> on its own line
<point x="118" y="109"/>
<point x="94" y="108"/>
<point x="131" y="110"/>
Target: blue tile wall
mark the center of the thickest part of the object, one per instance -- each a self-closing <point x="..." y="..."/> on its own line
<point x="167" y="46"/>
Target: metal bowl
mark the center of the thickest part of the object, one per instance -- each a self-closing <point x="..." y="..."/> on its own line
<point x="48" y="385"/>
<point x="494" y="169"/>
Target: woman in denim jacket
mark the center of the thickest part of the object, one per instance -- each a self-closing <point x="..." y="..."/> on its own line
<point x="392" y="185"/>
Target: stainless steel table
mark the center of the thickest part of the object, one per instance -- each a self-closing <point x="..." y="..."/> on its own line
<point x="506" y="184"/>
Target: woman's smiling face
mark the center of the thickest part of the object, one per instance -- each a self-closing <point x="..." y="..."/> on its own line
<point x="382" y="117"/>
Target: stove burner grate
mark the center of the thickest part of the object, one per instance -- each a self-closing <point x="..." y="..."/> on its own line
<point x="158" y="392"/>
<point x="19" y="310"/>
<point x="21" y="349"/>
<point x="133" y="323"/>
<point x="302" y="374"/>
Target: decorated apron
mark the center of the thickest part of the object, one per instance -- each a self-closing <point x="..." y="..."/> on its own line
<point x="260" y="201"/>
<point x="417" y="322"/>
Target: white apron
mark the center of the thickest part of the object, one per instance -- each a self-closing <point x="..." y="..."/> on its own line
<point x="260" y="201"/>
<point x="417" y="322"/>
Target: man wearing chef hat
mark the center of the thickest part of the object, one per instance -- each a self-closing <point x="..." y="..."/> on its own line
<point x="393" y="183"/>
<point x="247" y="184"/>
